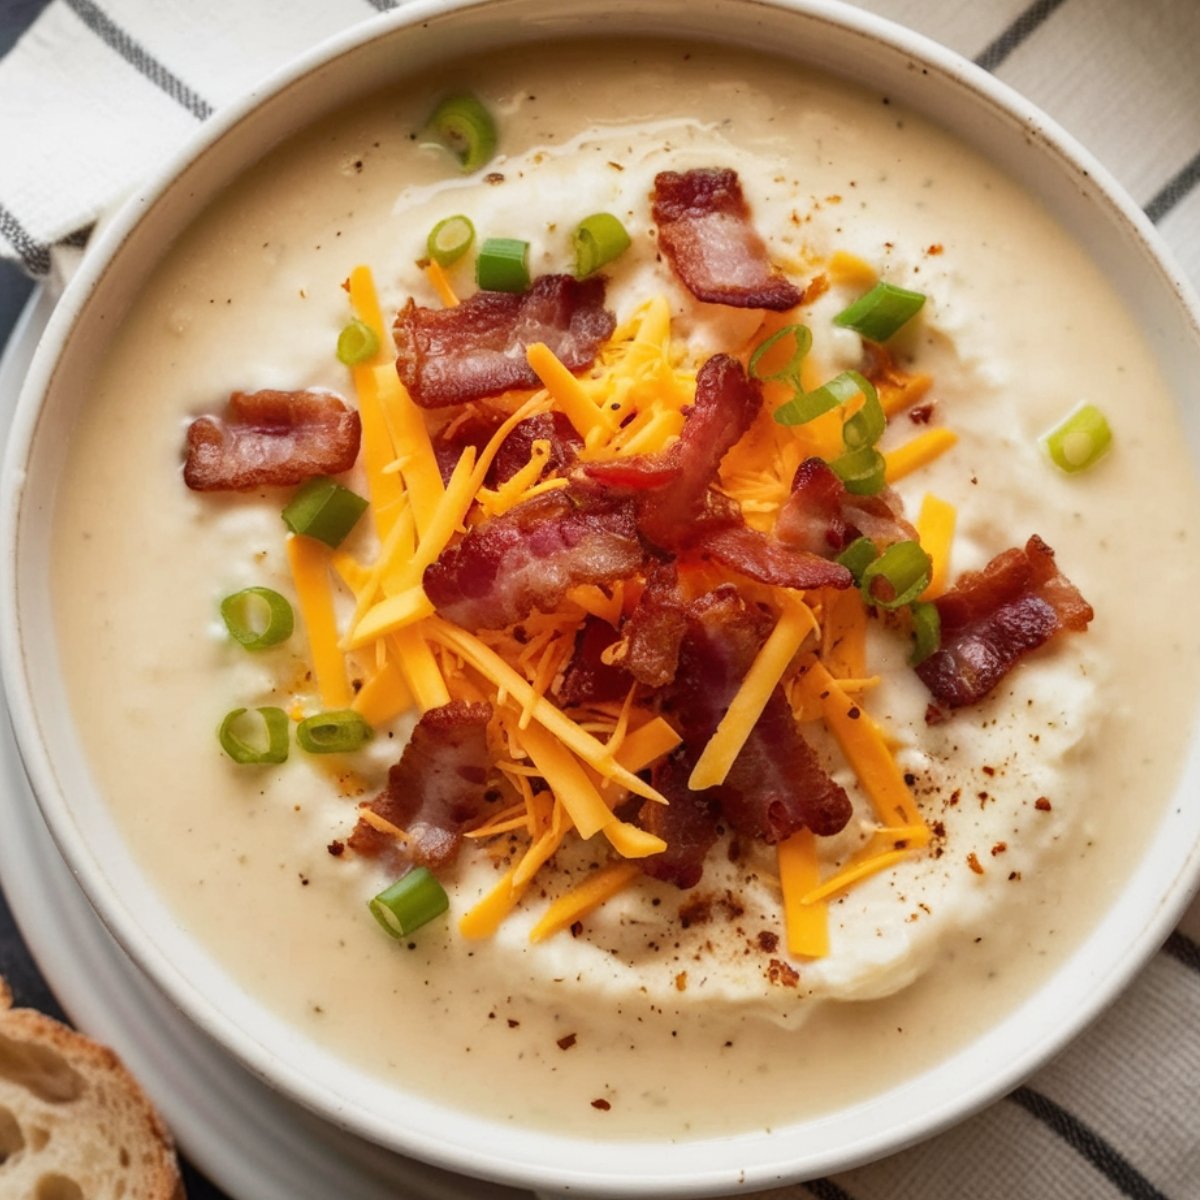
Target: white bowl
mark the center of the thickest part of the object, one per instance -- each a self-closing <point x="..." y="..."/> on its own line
<point x="843" y="42"/>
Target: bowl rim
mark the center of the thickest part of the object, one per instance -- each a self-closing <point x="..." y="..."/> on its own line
<point x="677" y="1176"/>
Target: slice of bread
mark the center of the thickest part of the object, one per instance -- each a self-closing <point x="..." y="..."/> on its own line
<point x="74" y="1124"/>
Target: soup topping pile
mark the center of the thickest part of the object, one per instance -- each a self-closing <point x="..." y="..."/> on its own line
<point x="618" y="588"/>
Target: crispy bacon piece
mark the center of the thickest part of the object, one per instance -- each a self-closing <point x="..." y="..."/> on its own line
<point x="271" y="439"/>
<point x="687" y="823"/>
<point x="1018" y="602"/>
<point x="528" y="557"/>
<point x="655" y="628"/>
<point x="820" y="516"/>
<point x="777" y="784"/>
<point x="770" y="560"/>
<point x="473" y="429"/>
<point x="673" y="487"/>
<point x="588" y="679"/>
<point x="436" y="790"/>
<point x="514" y="452"/>
<point x="678" y="507"/>
<point x="478" y="428"/>
<point x="704" y="229"/>
<point x="477" y="348"/>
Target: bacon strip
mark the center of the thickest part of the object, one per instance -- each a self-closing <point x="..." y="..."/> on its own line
<point x="271" y="439"/>
<point x="687" y="823"/>
<point x="1018" y="602"/>
<point x="553" y="427"/>
<point x="528" y="557"/>
<point x="477" y="348"/>
<point x="588" y="679"/>
<point x="821" y="517"/>
<point x="673" y="487"/>
<point x="435" y="792"/>
<point x="654" y="631"/>
<point x="770" y="560"/>
<point x="705" y="232"/>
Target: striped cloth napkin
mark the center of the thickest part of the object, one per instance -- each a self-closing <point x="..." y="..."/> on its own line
<point x="99" y="91"/>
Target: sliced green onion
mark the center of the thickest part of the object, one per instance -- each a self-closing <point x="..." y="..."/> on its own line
<point x="927" y="631"/>
<point x="862" y="471"/>
<point x="866" y="426"/>
<point x="503" y="265"/>
<point x="858" y="556"/>
<point x="357" y="343"/>
<point x="597" y="240"/>
<point x="898" y="576"/>
<point x="412" y="901"/>
<point x="324" y="510"/>
<point x="450" y="239"/>
<point x="336" y="732"/>
<point x="466" y="129"/>
<point x="257" y="617"/>
<point x="1080" y="440"/>
<point x="801" y="337"/>
<point x="273" y="748"/>
<point x="841" y="389"/>
<point x="881" y="312"/>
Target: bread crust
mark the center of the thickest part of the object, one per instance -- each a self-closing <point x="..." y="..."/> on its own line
<point x="72" y="1114"/>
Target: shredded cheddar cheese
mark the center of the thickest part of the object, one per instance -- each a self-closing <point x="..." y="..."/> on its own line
<point x="309" y="560"/>
<point x="589" y="895"/>
<point x="935" y="528"/>
<point x="917" y="453"/>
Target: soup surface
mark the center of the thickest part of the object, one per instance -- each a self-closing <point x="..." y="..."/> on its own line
<point x="670" y="1013"/>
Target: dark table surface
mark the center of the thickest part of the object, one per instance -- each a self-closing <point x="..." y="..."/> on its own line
<point x="17" y="964"/>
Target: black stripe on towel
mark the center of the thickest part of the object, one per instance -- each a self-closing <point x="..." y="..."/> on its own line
<point x="35" y="255"/>
<point x="1174" y="190"/>
<point x="826" y="1189"/>
<point x="1117" y="1169"/>
<point x="994" y="54"/>
<point x="105" y="28"/>
<point x="1181" y="947"/>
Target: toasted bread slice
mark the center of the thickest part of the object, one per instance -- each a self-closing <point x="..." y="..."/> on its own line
<point x="74" y="1124"/>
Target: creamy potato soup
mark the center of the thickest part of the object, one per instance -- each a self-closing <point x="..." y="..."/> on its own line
<point x="661" y="1012"/>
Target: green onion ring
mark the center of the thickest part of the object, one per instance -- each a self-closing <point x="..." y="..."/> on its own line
<point x="801" y="337"/>
<point x="357" y="343"/>
<point x="450" y="239"/>
<point x="465" y="127"/>
<point x="274" y="724"/>
<point x="503" y="265"/>
<point x="1079" y="440"/>
<point x="881" y="312"/>
<point x="597" y="240"/>
<point x="927" y="631"/>
<point x="866" y="426"/>
<point x="412" y="901"/>
<point x="858" y="556"/>
<point x="324" y="510"/>
<point x="242" y="613"/>
<point x="898" y="576"/>
<point x="339" y="731"/>
<point x="862" y="471"/>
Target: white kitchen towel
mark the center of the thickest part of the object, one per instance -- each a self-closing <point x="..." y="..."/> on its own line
<point x="99" y="91"/>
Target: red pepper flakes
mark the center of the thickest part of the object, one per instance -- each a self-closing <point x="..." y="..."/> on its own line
<point x="974" y="863"/>
<point x="1042" y="804"/>
<point x="602" y="1104"/>
<point x="681" y="982"/>
<point x="999" y="848"/>
<point x="565" y="1043"/>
